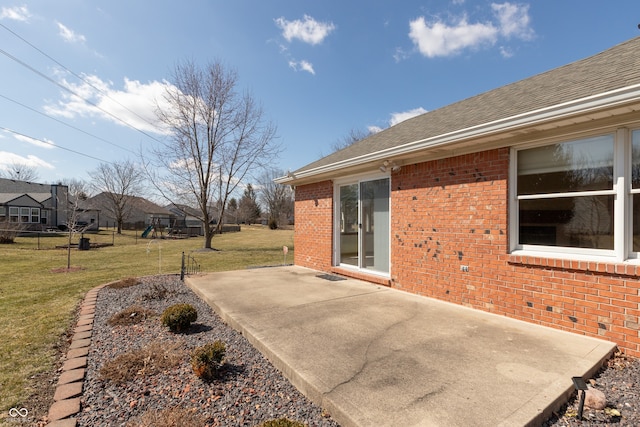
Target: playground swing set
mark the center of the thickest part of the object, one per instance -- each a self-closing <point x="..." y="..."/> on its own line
<point x="153" y="228"/>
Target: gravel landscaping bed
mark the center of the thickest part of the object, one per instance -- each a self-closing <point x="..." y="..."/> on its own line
<point x="619" y="380"/>
<point x="248" y="391"/>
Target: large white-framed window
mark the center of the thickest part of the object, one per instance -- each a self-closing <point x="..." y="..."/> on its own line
<point x="35" y="215"/>
<point x="14" y="214"/>
<point x="24" y="214"/>
<point x="362" y="224"/>
<point x="577" y="198"/>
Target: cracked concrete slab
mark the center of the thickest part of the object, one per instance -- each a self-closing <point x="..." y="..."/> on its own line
<point x="372" y="355"/>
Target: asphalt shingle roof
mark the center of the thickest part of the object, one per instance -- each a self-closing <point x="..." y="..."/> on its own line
<point x="615" y="68"/>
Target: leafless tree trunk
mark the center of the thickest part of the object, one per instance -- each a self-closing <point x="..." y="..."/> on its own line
<point x="118" y="181"/>
<point x="217" y="137"/>
<point x="75" y="195"/>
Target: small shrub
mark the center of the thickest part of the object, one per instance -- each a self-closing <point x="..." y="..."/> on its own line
<point x="179" y="317"/>
<point x="131" y="316"/>
<point x="170" y="417"/>
<point x="152" y="359"/>
<point x="155" y="293"/>
<point x="207" y="360"/>
<point x="124" y="283"/>
<point x="281" y="422"/>
<point x="9" y="231"/>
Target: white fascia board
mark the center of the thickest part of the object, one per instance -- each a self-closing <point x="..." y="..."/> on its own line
<point x="583" y="105"/>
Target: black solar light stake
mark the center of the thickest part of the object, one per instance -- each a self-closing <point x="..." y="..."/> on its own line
<point x="579" y="384"/>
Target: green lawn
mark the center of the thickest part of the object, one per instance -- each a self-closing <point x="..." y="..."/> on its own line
<point x="37" y="303"/>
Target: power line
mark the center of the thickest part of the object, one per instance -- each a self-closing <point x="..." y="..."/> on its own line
<point x="63" y="87"/>
<point x="67" y="124"/>
<point x="53" y="145"/>
<point x="73" y="73"/>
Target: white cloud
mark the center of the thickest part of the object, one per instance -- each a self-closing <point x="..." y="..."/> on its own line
<point x="302" y="66"/>
<point x="514" y="20"/>
<point x="440" y="38"/>
<point x="307" y="30"/>
<point x="45" y="143"/>
<point x="134" y="104"/>
<point x="17" y="13"/>
<point x="8" y="159"/>
<point x="69" y="35"/>
<point x="397" y="118"/>
<point x="506" y="52"/>
<point x="405" y="115"/>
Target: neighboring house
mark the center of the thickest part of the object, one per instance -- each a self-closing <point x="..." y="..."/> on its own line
<point x="37" y="206"/>
<point x="139" y="212"/>
<point x="187" y="220"/>
<point x="522" y="201"/>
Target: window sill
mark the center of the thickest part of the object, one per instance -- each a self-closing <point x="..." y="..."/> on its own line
<point x="602" y="266"/>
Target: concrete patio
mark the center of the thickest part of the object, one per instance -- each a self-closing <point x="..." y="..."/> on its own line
<point x="375" y="356"/>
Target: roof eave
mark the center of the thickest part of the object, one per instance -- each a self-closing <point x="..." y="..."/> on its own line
<point x="536" y="117"/>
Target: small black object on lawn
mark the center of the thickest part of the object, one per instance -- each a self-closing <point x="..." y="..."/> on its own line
<point x="84" y="244"/>
<point x="580" y="385"/>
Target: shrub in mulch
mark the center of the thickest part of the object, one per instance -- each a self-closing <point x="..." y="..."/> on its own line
<point x="124" y="283"/>
<point x="179" y="317"/>
<point x="207" y="360"/>
<point x="131" y="316"/>
<point x="157" y="292"/>
<point x="152" y="359"/>
<point x="281" y="422"/>
<point x="170" y="417"/>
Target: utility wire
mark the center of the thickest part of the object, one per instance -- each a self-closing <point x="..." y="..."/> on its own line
<point x="29" y="67"/>
<point x="73" y="73"/>
<point x="67" y="124"/>
<point x="53" y="145"/>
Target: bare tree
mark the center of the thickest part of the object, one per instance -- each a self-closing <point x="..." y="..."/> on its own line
<point x="20" y="172"/>
<point x="75" y="196"/>
<point x="352" y="137"/>
<point x="277" y="198"/>
<point x="118" y="181"/>
<point x="77" y="188"/>
<point x="217" y="137"/>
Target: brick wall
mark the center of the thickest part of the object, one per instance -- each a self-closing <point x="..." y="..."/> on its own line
<point x="313" y="229"/>
<point x="453" y="213"/>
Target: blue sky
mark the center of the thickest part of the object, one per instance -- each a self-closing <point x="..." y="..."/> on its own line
<point x="319" y="68"/>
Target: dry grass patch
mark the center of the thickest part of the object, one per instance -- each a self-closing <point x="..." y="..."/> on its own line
<point x="131" y="316"/>
<point x="150" y="360"/>
<point x="124" y="283"/>
<point x="37" y="306"/>
<point x="171" y="417"/>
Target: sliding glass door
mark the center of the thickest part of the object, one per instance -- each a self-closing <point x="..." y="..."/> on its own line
<point x="363" y="229"/>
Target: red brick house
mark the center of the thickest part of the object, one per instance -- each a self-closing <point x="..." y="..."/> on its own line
<point x="523" y="201"/>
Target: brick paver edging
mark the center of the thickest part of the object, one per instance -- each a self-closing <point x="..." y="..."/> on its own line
<point x="66" y="400"/>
